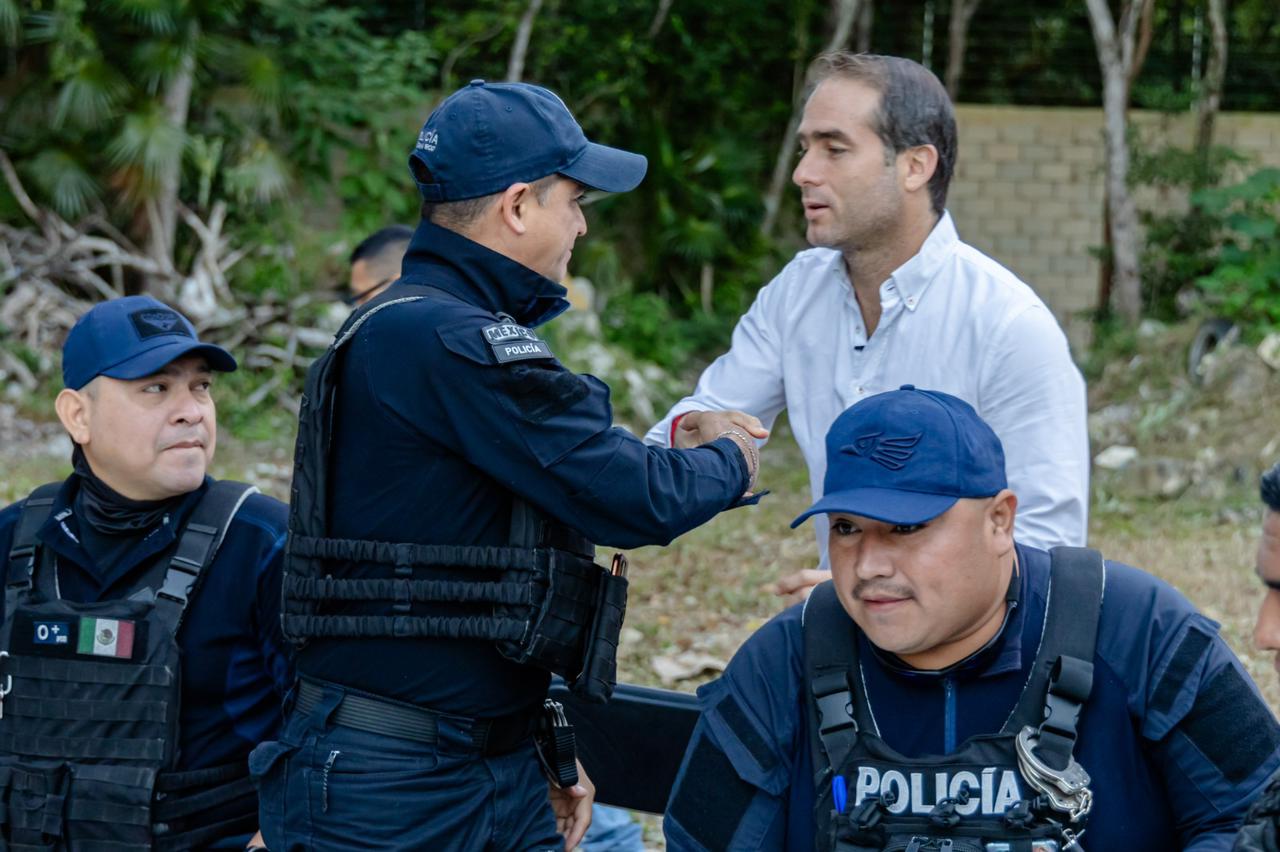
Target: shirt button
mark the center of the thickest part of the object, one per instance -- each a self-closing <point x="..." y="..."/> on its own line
<point x="911" y="303"/>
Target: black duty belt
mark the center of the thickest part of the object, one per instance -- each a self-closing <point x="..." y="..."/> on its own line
<point x="389" y="718"/>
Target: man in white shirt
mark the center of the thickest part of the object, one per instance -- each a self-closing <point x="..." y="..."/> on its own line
<point x="890" y="296"/>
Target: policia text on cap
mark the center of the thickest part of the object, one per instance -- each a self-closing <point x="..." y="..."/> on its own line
<point x="450" y="478"/>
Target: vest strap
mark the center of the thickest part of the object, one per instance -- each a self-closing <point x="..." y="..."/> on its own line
<point x="1062" y="677"/>
<point x="22" y="550"/>
<point x="197" y="547"/>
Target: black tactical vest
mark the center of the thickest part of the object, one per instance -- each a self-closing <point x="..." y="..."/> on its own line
<point x="541" y="598"/>
<point x="1016" y="790"/>
<point x="89" y="701"/>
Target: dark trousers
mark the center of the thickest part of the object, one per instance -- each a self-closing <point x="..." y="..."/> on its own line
<point x="327" y="787"/>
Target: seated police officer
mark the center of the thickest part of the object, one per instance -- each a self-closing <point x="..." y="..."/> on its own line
<point x="1261" y="831"/>
<point x="951" y="689"/>
<point x="142" y="657"/>
<point x="450" y="478"/>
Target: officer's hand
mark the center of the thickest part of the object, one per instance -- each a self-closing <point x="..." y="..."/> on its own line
<point x="795" y="587"/>
<point x="573" y="808"/>
<point x="699" y="427"/>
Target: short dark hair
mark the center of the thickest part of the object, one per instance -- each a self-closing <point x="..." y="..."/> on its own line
<point x="392" y="237"/>
<point x="1270" y="488"/>
<point x="915" y="108"/>
<point x="460" y="215"/>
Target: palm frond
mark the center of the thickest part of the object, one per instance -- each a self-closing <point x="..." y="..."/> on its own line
<point x="261" y="175"/>
<point x="89" y="97"/>
<point x="157" y="16"/>
<point x="263" y="76"/>
<point x="157" y="62"/>
<point x="63" y="181"/>
<point x="148" y="142"/>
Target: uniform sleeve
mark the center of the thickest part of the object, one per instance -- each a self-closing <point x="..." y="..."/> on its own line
<point x="732" y="788"/>
<point x="276" y="656"/>
<point x="746" y="378"/>
<point x="546" y="434"/>
<point x="1033" y="396"/>
<point x="1205" y="727"/>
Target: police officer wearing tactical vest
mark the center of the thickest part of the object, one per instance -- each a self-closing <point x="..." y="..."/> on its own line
<point x="1261" y="830"/>
<point x="950" y="689"/>
<point x="140" y="652"/>
<point x="450" y="478"/>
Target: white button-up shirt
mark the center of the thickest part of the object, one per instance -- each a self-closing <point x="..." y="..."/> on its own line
<point x="953" y="320"/>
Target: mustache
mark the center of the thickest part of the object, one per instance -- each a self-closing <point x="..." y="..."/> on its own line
<point x="874" y="589"/>
<point x="200" y="436"/>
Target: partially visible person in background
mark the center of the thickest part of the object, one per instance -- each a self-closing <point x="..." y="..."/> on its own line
<point x="375" y="263"/>
<point x="1261" y="831"/>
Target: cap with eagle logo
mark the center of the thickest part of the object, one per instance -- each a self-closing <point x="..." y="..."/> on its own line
<point x="132" y="337"/>
<point x="906" y="456"/>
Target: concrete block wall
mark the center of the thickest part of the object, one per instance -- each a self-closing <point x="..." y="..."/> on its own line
<point x="1028" y="188"/>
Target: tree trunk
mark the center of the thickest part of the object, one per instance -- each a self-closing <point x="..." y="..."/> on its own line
<point x="163" y="207"/>
<point x="844" y="13"/>
<point x="866" y="19"/>
<point x="659" y="18"/>
<point x="1210" y="100"/>
<point x="957" y="41"/>
<point x="1117" y="47"/>
<point x="515" y="66"/>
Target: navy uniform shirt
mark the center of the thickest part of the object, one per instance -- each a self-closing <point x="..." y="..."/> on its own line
<point x="235" y="670"/>
<point x="1175" y="736"/>
<point x="433" y="435"/>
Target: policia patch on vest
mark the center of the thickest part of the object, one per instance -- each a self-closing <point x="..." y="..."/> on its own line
<point x="513" y="342"/>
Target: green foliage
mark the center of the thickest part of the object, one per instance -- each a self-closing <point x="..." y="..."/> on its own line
<point x="1244" y="285"/>
<point x="646" y="323"/>
<point x="1181" y="240"/>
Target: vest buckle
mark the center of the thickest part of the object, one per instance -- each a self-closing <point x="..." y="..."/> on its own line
<point x="1067" y="789"/>
<point x="7" y="687"/>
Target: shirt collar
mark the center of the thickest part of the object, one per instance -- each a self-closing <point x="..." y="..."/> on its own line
<point x="439" y="257"/>
<point x="912" y="278"/>
<point x="61" y="533"/>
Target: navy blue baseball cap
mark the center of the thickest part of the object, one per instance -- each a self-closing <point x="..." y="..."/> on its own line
<point x="906" y="456"/>
<point x="487" y="136"/>
<point x="132" y="337"/>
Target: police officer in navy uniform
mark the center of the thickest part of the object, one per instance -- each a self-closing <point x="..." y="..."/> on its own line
<point x="951" y="689"/>
<point x="141" y="656"/>
<point x="450" y="480"/>
<point x="1261" y="830"/>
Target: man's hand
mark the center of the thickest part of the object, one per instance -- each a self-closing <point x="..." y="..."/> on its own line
<point x="699" y="427"/>
<point x="795" y="587"/>
<point x="573" y="808"/>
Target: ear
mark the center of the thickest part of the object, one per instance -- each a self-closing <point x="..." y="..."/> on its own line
<point x="73" y="410"/>
<point x="1000" y="515"/>
<point x="918" y="165"/>
<point x="513" y="204"/>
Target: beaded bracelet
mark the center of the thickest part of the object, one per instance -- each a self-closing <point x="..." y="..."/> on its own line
<point x="750" y="450"/>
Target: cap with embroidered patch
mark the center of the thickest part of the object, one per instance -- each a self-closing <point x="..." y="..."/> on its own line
<point x="906" y="456"/>
<point x="487" y="136"/>
<point x="132" y="337"/>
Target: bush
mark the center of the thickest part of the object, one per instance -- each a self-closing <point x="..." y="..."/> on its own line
<point x="1244" y="284"/>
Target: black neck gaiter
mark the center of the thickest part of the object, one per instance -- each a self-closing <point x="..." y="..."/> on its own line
<point x="107" y="511"/>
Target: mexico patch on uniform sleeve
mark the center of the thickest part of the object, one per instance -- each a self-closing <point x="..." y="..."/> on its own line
<point x="513" y="342"/>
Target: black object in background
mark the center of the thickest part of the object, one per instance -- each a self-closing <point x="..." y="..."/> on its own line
<point x="632" y="746"/>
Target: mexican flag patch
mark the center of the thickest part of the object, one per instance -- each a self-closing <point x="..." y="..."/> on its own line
<point x="106" y="637"/>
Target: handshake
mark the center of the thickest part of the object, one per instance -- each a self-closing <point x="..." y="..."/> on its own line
<point x="694" y="428"/>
